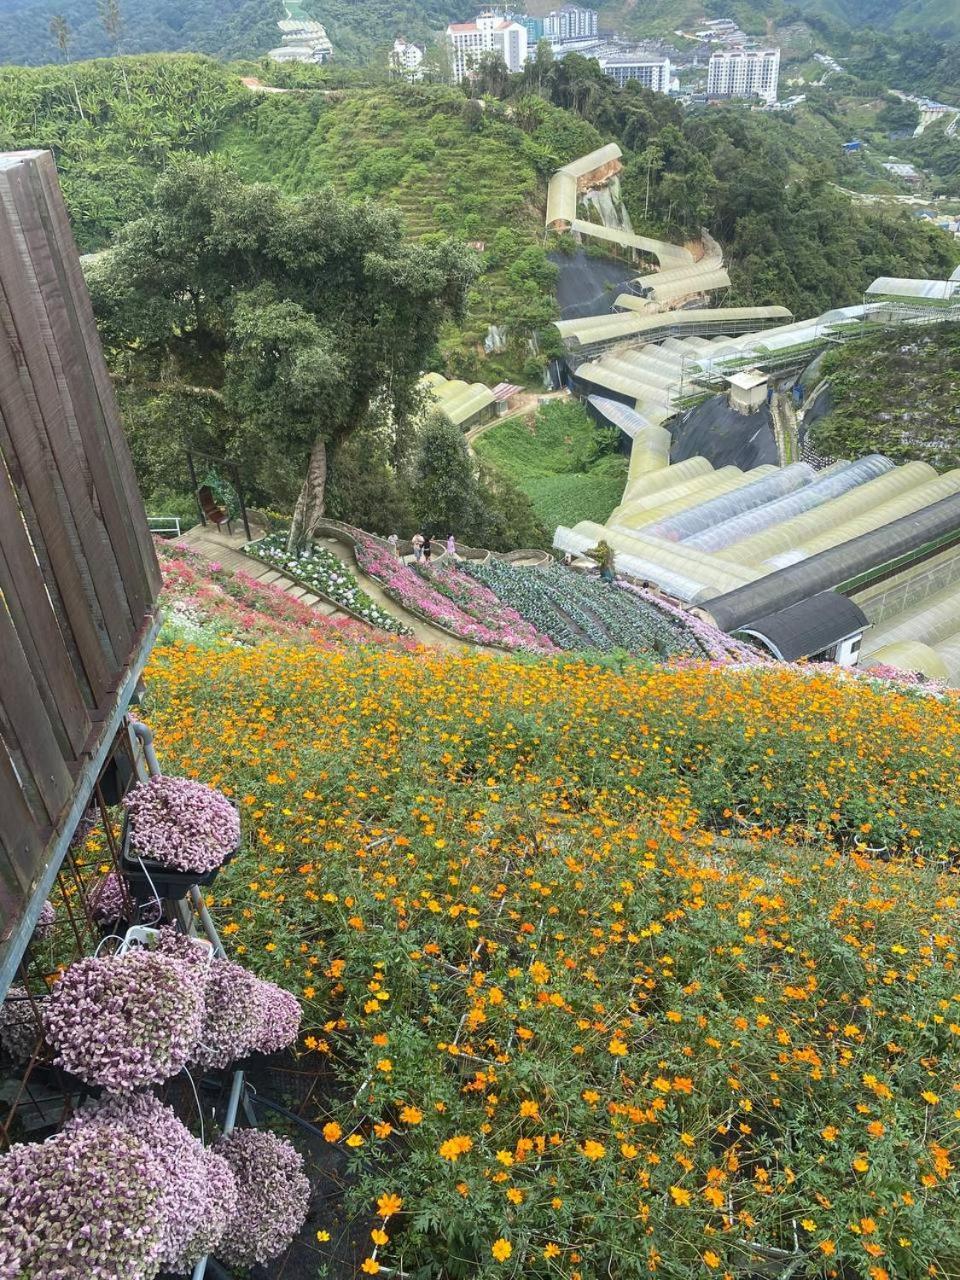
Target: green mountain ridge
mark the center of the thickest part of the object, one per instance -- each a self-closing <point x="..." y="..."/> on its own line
<point x="360" y="29"/>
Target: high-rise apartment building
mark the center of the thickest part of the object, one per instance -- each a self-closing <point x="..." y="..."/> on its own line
<point x="623" y="66"/>
<point x="571" y="22"/>
<point x="488" y="33"/>
<point x="744" y="73"/>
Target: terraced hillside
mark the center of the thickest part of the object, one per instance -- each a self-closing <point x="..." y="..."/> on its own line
<point x="420" y="149"/>
<point x="897" y="393"/>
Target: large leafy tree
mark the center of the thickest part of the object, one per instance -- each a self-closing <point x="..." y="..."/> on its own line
<point x="300" y="317"/>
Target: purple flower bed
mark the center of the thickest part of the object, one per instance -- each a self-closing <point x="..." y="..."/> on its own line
<point x="84" y="1205"/>
<point x="716" y="644"/>
<point x="125" y="1021"/>
<point x="182" y="824"/>
<point x="199" y="1192"/>
<point x="448" y="597"/>
<point x="273" y="1196"/>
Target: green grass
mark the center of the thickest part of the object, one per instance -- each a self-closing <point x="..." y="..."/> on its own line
<point x="561" y="460"/>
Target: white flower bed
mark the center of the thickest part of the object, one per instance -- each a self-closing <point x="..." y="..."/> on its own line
<point x="320" y="571"/>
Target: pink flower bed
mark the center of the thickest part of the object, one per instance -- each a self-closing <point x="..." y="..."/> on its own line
<point x="246" y="611"/>
<point x="475" y="614"/>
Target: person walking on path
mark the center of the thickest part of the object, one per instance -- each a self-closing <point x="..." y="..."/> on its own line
<point x="603" y="554"/>
<point x="417" y="541"/>
<point x="452" y="547"/>
<point x="395" y="543"/>
<point x="427" y="550"/>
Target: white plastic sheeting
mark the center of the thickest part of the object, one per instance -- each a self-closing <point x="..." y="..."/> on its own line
<point x="948" y="651"/>
<point x="630" y="515"/>
<point x="918" y="491"/>
<point x="829" y="484"/>
<point x="826" y="526"/>
<point x="652" y="560"/>
<point x="640" y="483"/>
<point x="916" y="290"/>
<point x="911" y="656"/>
<point x="934" y="619"/>
<point x="756" y="491"/>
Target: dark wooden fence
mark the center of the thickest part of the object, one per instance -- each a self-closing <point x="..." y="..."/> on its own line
<point x="78" y="573"/>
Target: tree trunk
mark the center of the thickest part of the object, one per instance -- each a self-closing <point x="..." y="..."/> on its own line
<point x="309" y="508"/>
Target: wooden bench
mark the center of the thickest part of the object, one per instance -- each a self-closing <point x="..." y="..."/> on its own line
<point x="211" y="511"/>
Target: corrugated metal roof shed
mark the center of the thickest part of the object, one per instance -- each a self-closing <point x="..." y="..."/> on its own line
<point x="808" y="627"/>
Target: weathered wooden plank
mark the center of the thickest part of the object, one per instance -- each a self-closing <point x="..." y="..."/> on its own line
<point x="23" y="588"/>
<point x="83" y="642"/>
<point x="75" y="290"/>
<point x="24" y="320"/>
<point x="69" y="356"/>
<point x="57" y="545"/>
<point x="21" y="846"/>
<point x="25" y="726"/>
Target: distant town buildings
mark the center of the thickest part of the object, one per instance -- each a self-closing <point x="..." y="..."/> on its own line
<point x="744" y="73"/>
<point x="571" y="22"/>
<point x="535" y="28"/>
<point x="406" y="59"/>
<point x="488" y="33"/>
<point x="302" y="40"/>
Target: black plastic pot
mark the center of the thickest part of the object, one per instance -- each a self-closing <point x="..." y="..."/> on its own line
<point x="167" y="884"/>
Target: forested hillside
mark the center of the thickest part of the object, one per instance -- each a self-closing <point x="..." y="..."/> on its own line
<point x="936" y="17"/>
<point x="761" y="184"/>
<point x="226" y="28"/>
<point x="113" y="126"/>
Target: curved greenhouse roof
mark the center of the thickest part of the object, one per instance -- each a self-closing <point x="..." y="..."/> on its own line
<point x="840" y="566"/>
<point x="630" y="421"/>
<point x="808" y="627"/>
<point x="918" y="290"/>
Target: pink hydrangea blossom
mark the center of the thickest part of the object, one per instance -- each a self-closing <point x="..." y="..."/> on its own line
<point x="182" y="824"/>
<point x="125" y="1021"/>
<point x="273" y="1196"/>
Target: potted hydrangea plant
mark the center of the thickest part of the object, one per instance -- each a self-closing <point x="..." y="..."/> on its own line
<point x="177" y="833"/>
<point x="84" y="1205"/>
<point x="273" y="1196"/>
<point x="243" y="1015"/>
<point x="199" y="1195"/>
<point x="125" y="1021"/>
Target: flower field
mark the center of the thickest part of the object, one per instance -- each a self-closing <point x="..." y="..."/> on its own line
<point x="579" y="612"/>
<point x="444" y="595"/>
<point x="600" y="967"/>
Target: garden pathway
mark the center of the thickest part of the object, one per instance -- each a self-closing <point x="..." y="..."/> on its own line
<point x="422" y="631"/>
<point x="227" y="551"/>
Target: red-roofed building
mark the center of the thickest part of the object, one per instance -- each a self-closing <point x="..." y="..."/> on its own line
<point x="488" y="33"/>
